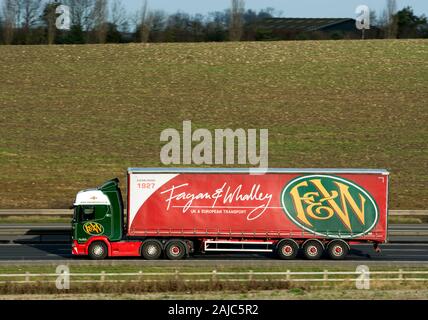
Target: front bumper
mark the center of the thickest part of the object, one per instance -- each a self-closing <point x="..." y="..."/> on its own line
<point x="78" y="249"/>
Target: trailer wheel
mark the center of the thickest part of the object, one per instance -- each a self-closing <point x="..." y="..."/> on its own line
<point x="287" y="249"/>
<point x="175" y="250"/>
<point x="337" y="249"/>
<point x="313" y="250"/>
<point x="151" y="250"/>
<point x="97" y="250"/>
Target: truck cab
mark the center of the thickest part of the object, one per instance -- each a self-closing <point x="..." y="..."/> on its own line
<point x="98" y="214"/>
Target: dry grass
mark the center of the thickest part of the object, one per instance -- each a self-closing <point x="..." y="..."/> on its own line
<point x="287" y="294"/>
<point x="174" y="290"/>
<point x="73" y="116"/>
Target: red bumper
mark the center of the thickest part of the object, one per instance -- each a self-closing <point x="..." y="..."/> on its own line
<point x="115" y="249"/>
<point x="79" y="249"/>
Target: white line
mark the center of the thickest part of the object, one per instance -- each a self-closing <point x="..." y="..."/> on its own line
<point x="408" y="256"/>
<point x="423" y="250"/>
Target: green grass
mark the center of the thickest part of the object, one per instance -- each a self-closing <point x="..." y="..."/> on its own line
<point x="74" y="116"/>
<point x="171" y="288"/>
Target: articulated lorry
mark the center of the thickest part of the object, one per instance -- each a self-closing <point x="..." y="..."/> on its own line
<point x="173" y="213"/>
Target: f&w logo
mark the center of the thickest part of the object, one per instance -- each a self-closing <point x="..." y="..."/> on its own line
<point x="329" y="206"/>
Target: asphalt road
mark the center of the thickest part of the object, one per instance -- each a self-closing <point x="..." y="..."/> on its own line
<point x="408" y="243"/>
<point x="403" y="253"/>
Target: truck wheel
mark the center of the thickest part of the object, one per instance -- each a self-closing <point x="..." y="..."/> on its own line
<point x="151" y="250"/>
<point x="313" y="250"/>
<point x="337" y="249"/>
<point x="97" y="250"/>
<point x="175" y="250"/>
<point x="287" y="249"/>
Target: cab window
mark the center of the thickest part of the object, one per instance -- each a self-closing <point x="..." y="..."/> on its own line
<point x="87" y="213"/>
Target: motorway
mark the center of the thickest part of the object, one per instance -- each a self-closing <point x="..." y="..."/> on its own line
<point x="407" y="244"/>
<point x="391" y="253"/>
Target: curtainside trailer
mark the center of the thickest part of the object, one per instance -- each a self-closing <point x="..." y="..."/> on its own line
<point x="174" y="213"/>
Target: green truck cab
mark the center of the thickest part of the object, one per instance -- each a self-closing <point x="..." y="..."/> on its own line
<point x="98" y="213"/>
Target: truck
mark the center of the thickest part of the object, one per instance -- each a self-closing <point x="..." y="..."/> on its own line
<point x="176" y="212"/>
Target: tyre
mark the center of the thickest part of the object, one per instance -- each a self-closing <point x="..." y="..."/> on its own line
<point x="151" y="250"/>
<point x="337" y="249"/>
<point x="97" y="250"/>
<point x="287" y="249"/>
<point x="313" y="250"/>
<point x="175" y="250"/>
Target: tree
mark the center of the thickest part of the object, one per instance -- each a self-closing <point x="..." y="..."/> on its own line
<point x="158" y="21"/>
<point x="99" y="17"/>
<point x="389" y="19"/>
<point x="178" y="28"/>
<point x="118" y="15"/>
<point x="30" y="16"/>
<point x="408" y="24"/>
<point x="145" y="24"/>
<point x="373" y="18"/>
<point x="10" y="13"/>
<point x="236" y="20"/>
<point x="49" y="19"/>
<point x="81" y="14"/>
<point x="216" y="26"/>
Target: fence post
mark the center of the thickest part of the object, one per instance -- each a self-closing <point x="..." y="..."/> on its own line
<point x="250" y="275"/>
<point x="325" y="277"/>
<point x="214" y="275"/>
<point x="177" y="275"/>
<point x="103" y="277"/>
<point x="287" y="276"/>
<point x="140" y="275"/>
<point x="27" y="276"/>
<point x="400" y="274"/>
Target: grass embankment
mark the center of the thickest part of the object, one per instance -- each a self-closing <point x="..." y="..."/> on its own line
<point x="174" y="286"/>
<point x="284" y="294"/>
<point x="74" y="116"/>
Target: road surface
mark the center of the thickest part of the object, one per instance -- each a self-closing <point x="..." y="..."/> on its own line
<point x="391" y="253"/>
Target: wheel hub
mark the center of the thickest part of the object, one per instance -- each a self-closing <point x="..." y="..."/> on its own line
<point x="152" y="250"/>
<point x="337" y="250"/>
<point x="175" y="250"/>
<point x="287" y="250"/>
<point x="98" y="250"/>
<point x="312" y="250"/>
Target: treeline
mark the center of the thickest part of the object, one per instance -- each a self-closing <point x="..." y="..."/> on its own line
<point x="107" y="21"/>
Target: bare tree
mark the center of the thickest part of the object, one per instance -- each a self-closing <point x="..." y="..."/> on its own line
<point x="236" y="20"/>
<point x="99" y="16"/>
<point x="81" y="11"/>
<point x="10" y="12"/>
<point x="49" y="17"/>
<point x="145" y="24"/>
<point x="390" y="19"/>
<point x="31" y="10"/>
<point x="118" y="15"/>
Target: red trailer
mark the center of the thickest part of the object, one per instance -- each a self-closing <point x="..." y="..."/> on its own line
<point x="176" y="212"/>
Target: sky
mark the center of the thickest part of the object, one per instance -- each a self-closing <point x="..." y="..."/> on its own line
<point x="289" y="8"/>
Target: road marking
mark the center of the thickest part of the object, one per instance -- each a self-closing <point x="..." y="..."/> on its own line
<point x="423" y="250"/>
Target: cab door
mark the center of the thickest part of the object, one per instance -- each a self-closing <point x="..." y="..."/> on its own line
<point x="93" y="220"/>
